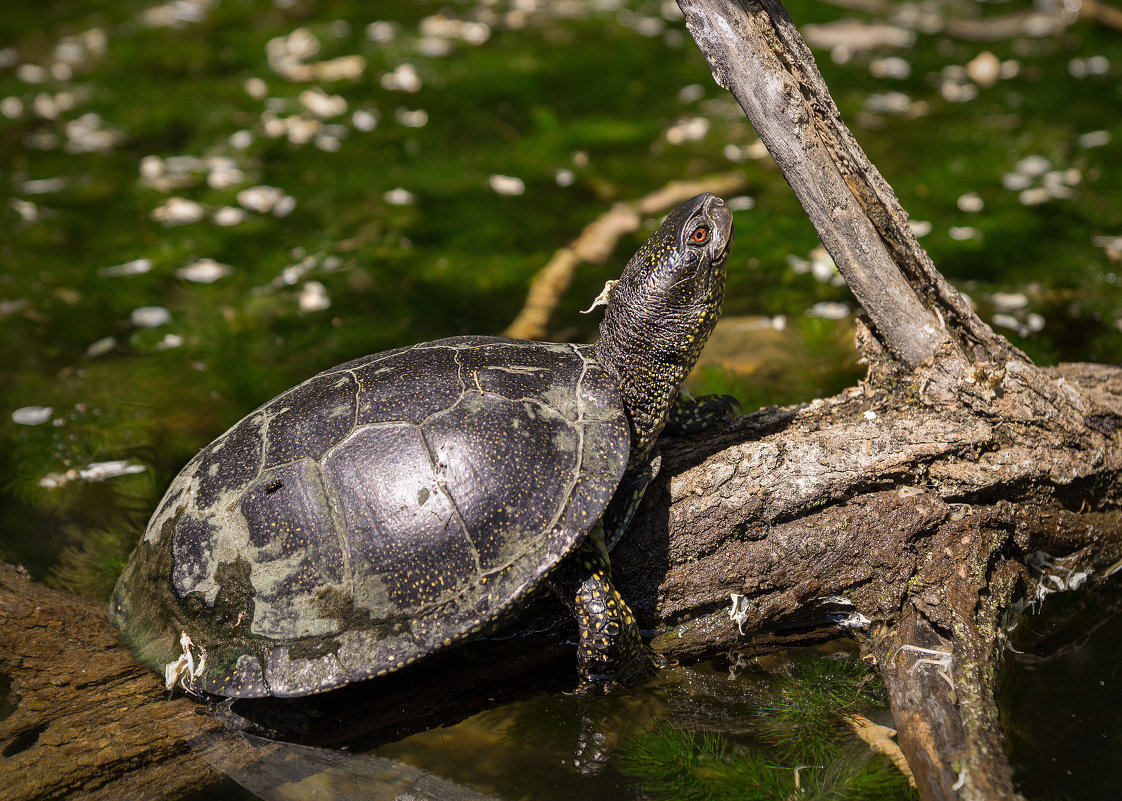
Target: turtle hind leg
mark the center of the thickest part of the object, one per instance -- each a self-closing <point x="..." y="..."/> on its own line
<point x="610" y="651"/>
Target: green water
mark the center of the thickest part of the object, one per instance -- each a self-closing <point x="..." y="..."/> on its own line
<point x="387" y="228"/>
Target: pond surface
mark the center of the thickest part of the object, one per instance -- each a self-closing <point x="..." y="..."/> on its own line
<point x="207" y="201"/>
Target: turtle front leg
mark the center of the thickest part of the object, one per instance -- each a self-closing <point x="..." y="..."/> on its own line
<point x="688" y="415"/>
<point x="610" y="651"/>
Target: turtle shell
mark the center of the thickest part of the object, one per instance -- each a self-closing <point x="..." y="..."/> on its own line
<point x="376" y="513"/>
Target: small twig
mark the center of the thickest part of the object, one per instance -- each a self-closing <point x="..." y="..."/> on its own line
<point x="882" y="740"/>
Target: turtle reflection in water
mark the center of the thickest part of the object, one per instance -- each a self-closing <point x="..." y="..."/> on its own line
<point x="394" y="505"/>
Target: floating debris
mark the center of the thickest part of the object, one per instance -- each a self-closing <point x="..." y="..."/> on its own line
<point x="691" y="93"/>
<point x="89" y="134"/>
<point x="101" y="347"/>
<point x="398" y="197"/>
<point x="1033" y="166"/>
<point x="134" y="267"/>
<point x="1086" y="67"/>
<point x="404" y="78"/>
<point x="412" y="119"/>
<point x="897" y="104"/>
<point x="565" y="177"/>
<point x="382" y="31"/>
<point x="98" y="471"/>
<point x="256" y="88"/>
<point x="169" y="342"/>
<point x="1009" y="301"/>
<point x="984" y="69"/>
<point x="919" y="228"/>
<point x="11" y="107"/>
<point x="43" y="186"/>
<point x="313" y="297"/>
<point x="961" y="233"/>
<point x="828" y="310"/>
<point x="261" y="199"/>
<point x="178" y="211"/>
<point x="364" y="120"/>
<point x="1094" y="139"/>
<point x="344" y="68"/>
<point x="845" y="37"/>
<point x="176" y="14"/>
<point x="150" y="316"/>
<point x="32" y="415"/>
<point x="204" y="271"/>
<point x="1035" y="196"/>
<point x="891" y="67"/>
<point x="971" y="202"/>
<point x="439" y="26"/>
<point x="321" y="104"/>
<point x="741" y="203"/>
<point x="25" y="209"/>
<point x="227" y="216"/>
<point x="689" y="129"/>
<point x="507" y="185"/>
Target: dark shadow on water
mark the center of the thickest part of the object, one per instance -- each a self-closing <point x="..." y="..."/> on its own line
<point x="1062" y="696"/>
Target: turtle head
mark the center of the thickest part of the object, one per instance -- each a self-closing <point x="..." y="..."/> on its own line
<point x="663" y="308"/>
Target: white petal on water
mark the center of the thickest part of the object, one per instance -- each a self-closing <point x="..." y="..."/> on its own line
<point x="31" y="73"/>
<point x="204" y="271"/>
<point x="398" y="197"/>
<point x="1034" y="322"/>
<point x="321" y="104"/>
<point x="152" y="167"/>
<point x="418" y="118"/>
<point x="564" y="177"/>
<point x="101" y="347"/>
<point x="256" y="88"/>
<point x="134" y="267"/>
<point x="984" y="69"/>
<point x="261" y="199"/>
<point x="284" y="206"/>
<point x="25" y="209"/>
<point x="313" y="297"/>
<point x="150" y="316"/>
<point x="507" y="185"/>
<point x="961" y="233"/>
<point x="169" y="342"/>
<point x="1008" y="301"/>
<point x="404" y="78"/>
<point x="1015" y="181"/>
<point x="364" y="120"/>
<point x="328" y="144"/>
<point x="741" y="203"/>
<point x="971" y="202"/>
<point x="691" y="93"/>
<point x="829" y="310"/>
<point x="11" y="107"/>
<point x="689" y="129"/>
<point x="891" y="67"/>
<point x="920" y="228"/>
<point x="1087" y="140"/>
<point x="32" y="415"/>
<point x="381" y="31"/>
<point x="227" y="216"/>
<point x="178" y="211"/>
<point x="1034" y="196"/>
<point x="1033" y="166"/>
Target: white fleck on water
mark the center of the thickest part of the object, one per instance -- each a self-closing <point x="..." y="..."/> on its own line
<point x="150" y="316"/>
<point x="32" y="415"/>
<point x="507" y="185"/>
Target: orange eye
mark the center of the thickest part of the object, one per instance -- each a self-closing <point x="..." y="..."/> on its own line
<point x="700" y="235"/>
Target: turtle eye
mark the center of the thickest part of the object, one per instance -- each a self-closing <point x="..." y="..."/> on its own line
<point x="700" y="235"/>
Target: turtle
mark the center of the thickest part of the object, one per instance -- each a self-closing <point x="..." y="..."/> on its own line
<point x="400" y="503"/>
